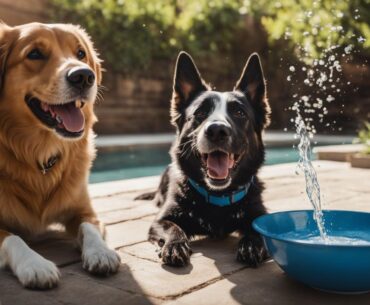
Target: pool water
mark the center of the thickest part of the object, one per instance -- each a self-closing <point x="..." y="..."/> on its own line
<point x="141" y="162"/>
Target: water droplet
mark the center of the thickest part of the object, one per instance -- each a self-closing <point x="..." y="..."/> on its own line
<point x="330" y="98"/>
<point x="361" y="39"/>
<point x="348" y="49"/>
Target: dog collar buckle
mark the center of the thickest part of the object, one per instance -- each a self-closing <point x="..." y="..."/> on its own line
<point x="46" y="167"/>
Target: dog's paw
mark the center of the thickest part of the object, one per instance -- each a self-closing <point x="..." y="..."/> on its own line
<point x="100" y="260"/>
<point x="36" y="272"/>
<point x="176" y="253"/>
<point x="251" y="251"/>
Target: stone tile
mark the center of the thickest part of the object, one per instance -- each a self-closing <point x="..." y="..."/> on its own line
<point x="61" y="252"/>
<point x="276" y="172"/>
<point x="331" y="199"/>
<point x="112" y="203"/>
<point x="223" y="251"/>
<point x="142" y="209"/>
<point x="267" y="285"/>
<point x="123" y="186"/>
<point x="75" y="288"/>
<point x="128" y="232"/>
<point x="161" y="281"/>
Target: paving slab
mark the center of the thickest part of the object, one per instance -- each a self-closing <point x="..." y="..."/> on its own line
<point x="267" y="285"/>
<point x="214" y="276"/>
<point x="128" y="232"/>
<point x="76" y="288"/>
<point x="157" y="280"/>
<point x="224" y="250"/>
<point x="140" y="210"/>
<point x="112" y="203"/>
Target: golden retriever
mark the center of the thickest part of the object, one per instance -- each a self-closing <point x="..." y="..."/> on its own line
<point x="49" y="77"/>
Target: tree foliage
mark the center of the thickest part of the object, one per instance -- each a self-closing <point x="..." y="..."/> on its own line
<point x="133" y="33"/>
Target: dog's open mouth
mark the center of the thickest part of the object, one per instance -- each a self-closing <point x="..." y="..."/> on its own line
<point x="67" y="119"/>
<point x="218" y="164"/>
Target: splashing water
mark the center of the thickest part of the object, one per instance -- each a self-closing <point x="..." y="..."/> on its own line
<point x="323" y="78"/>
<point x="312" y="184"/>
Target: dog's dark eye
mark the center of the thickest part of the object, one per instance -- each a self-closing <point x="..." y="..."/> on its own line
<point x="81" y="54"/>
<point x="35" y="54"/>
<point x="236" y="110"/>
<point x="201" y="114"/>
<point x="239" y="113"/>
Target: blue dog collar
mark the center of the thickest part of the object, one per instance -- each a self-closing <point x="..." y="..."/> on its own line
<point x="224" y="200"/>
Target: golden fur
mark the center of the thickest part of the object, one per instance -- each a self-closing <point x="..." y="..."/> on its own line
<point x="29" y="200"/>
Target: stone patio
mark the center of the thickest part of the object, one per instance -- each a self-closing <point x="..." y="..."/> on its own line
<point x="214" y="276"/>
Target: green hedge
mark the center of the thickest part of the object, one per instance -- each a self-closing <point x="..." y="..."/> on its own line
<point x="134" y="33"/>
<point x="319" y="24"/>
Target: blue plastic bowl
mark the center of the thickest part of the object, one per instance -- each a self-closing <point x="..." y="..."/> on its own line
<point x="340" y="268"/>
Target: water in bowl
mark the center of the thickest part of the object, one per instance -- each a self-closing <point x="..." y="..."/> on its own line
<point x="342" y="237"/>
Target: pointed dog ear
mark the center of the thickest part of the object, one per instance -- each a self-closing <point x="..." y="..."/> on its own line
<point x="252" y="84"/>
<point x="187" y="84"/>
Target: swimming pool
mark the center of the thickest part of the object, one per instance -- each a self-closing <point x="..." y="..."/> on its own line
<point x="141" y="162"/>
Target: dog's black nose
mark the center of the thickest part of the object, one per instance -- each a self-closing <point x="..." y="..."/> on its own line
<point x="81" y="78"/>
<point x="217" y="131"/>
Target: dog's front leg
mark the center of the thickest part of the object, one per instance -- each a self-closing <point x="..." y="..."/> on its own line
<point x="31" y="269"/>
<point x="97" y="258"/>
<point x="173" y="242"/>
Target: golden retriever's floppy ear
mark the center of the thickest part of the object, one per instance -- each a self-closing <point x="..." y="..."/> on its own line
<point x="5" y="45"/>
<point x="92" y="51"/>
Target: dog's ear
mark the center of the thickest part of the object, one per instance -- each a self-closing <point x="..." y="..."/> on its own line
<point x="5" y="44"/>
<point x="186" y="85"/>
<point x="252" y="84"/>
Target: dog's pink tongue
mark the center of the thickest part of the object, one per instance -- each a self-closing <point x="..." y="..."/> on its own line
<point x="73" y="118"/>
<point x="218" y="165"/>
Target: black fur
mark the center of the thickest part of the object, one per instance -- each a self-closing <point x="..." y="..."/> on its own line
<point x="184" y="212"/>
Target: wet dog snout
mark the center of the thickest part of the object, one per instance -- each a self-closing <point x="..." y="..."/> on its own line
<point x="81" y="78"/>
<point x="217" y="131"/>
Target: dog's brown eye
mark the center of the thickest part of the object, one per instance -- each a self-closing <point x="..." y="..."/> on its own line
<point x="35" y="54"/>
<point x="81" y="54"/>
<point x="239" y="114"/>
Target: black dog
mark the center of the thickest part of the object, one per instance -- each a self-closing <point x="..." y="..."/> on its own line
<point x="211" y="186"/>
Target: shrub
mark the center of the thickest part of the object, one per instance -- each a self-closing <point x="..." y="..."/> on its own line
<point x="364" y="137"/>
<point x="133" y="33"/>
<point x="316" y="25"/>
